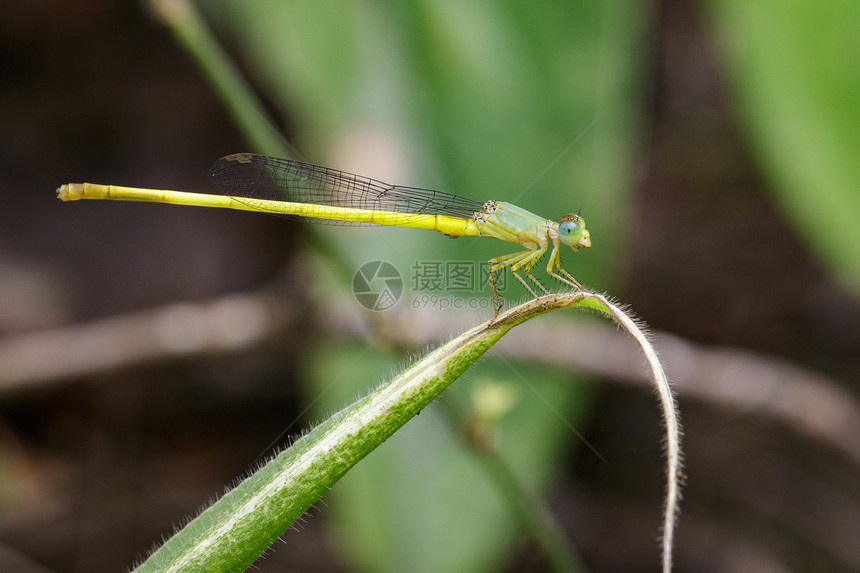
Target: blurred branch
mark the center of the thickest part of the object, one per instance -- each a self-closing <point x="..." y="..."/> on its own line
<point x="739" y="380"/>
<point x="188" y="331"/>
<point x="248" y="111"/>
<point x="191" y="31"/>
<point x="477" y="431"/>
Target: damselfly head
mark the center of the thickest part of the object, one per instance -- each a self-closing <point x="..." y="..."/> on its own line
<point x="572" y="232"/>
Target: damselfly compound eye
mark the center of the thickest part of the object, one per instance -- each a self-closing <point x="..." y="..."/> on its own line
<point x="570" y="230"/>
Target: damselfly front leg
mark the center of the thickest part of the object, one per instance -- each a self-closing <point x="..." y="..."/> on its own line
<point x="522" y="260"/>
<point x="555" y="263"/>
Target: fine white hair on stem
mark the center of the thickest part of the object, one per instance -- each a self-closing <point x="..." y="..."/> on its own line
<point x="671" y="420"/>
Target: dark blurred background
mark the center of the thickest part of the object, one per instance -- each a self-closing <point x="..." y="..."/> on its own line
<point x="711" y="147"/>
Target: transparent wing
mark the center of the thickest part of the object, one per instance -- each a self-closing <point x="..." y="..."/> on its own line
<point x="260" y="177"/>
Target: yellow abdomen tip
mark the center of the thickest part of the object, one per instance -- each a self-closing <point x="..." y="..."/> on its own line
<point x="70" y="192"/>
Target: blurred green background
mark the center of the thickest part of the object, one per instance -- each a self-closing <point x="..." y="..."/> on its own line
<point x="710" y="146"/>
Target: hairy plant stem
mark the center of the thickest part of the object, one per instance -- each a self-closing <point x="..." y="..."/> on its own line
<point x="232" y="533"/>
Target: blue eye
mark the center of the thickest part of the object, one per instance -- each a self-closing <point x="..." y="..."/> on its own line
<point x="570" y="231"/>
